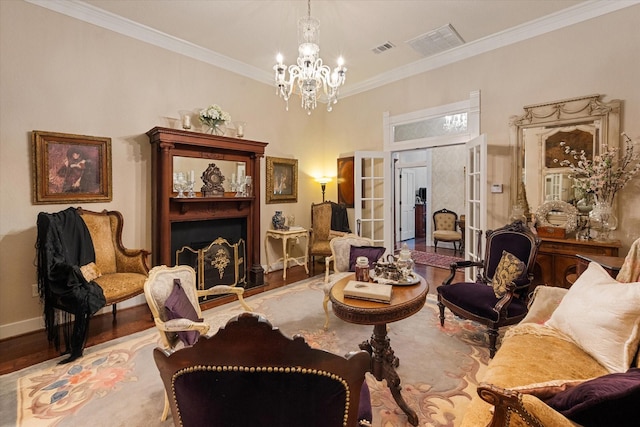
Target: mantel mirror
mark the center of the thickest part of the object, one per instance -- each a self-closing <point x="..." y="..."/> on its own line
<point x="233" y="172"/>
<point x="584" y="123"/>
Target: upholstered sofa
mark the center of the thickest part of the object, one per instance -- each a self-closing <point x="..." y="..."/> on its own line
<point x="573" y="356"/>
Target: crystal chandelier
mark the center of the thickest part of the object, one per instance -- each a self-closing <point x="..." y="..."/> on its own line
<point x="309" y="76"/>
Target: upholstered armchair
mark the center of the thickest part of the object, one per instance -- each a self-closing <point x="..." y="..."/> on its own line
<point x="250" y="374"/>
<point x="83" y="266"/>
<point x="445" y="229"/>
<point x="121" y="271"/>
<point x="500" y="293"/>
<point x="176" y="312"/>
<point x="321" y="233"/>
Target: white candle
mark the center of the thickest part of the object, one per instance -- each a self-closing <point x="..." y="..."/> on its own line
<point x="192" y="176"/>
<point x="233" y="177"/>
<point x="186" y="121"/>
<point x="240" y="131"/>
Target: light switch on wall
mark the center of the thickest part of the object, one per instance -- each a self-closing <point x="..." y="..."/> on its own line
<point x="496" y="188"/>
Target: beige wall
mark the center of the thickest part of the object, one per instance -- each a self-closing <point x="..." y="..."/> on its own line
<point x="60" y="74"/>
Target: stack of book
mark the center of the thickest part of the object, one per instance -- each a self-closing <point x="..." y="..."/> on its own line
<point x="368" y="291"/>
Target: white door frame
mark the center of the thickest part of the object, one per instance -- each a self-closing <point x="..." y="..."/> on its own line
<point x="470" y="106"/>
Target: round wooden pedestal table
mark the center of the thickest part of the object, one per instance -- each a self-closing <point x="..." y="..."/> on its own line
<point x="405" y="301"/>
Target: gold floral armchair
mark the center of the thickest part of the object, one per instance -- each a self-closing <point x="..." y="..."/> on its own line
<point x="83" y="266"/>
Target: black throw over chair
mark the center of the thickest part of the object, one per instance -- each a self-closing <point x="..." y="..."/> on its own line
<point x="499" y="296"/>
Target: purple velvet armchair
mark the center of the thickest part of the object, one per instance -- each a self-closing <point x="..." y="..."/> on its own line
<point x="500" y="293"/>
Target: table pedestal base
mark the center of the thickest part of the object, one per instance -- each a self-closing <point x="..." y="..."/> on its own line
<point x="383" y="364"/>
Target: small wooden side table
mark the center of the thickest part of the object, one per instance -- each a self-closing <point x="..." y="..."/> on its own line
<point x="285" y="236"/>
<point x="405" y="302"/>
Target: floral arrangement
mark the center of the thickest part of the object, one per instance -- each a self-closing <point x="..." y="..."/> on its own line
<point x="606" y="174"/>
<point x="213" y="116"/>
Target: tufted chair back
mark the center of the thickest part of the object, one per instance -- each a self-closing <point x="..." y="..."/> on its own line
<point x="445" y="229"/>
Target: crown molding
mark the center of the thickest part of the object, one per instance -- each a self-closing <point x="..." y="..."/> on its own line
<point x="564" y="18"/>
<point x="110" y="21"/>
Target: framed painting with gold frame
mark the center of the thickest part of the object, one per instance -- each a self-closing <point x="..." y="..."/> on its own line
<point x="282" y="180"/>
<point x="70" y="168"/>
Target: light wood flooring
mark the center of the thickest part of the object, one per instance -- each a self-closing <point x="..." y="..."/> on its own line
<point x="26" y="350"/>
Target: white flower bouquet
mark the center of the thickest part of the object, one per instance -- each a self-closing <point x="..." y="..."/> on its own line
<point x="214" y="116"/>
<point x="606" y="174"/>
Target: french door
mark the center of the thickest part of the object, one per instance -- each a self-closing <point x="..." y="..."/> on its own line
<point x="476" y="197"/>
<point x="373" y="199"/>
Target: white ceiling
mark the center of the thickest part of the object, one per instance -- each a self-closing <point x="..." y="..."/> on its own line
<point x="244" y="36"/>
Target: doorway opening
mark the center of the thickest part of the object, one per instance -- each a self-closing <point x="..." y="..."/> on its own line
<point x="426" y="180"/>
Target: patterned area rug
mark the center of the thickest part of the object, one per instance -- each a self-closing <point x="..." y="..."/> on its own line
<point x="434" y="260"/>
<point x="117" y="383"/>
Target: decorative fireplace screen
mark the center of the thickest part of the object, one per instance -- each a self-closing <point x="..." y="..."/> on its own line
<point x="219" y="263"/>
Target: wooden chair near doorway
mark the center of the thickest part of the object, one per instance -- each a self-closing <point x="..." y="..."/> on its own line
<point x="445" y="229"/>
<point x="321" y="233"/>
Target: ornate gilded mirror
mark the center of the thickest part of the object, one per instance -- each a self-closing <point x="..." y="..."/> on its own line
<point x="584" y="123"/>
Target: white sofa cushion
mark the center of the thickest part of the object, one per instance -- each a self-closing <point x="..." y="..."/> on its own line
<point x="602" y="316"/>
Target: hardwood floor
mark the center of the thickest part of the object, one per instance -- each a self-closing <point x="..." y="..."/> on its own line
<point x="22" y="351"/>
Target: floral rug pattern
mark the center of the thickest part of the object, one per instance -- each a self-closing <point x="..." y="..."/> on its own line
<point x="118" y="384"/>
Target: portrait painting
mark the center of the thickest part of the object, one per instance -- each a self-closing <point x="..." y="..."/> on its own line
<point x="71" y="168"/>
<point x="282" y="180"/>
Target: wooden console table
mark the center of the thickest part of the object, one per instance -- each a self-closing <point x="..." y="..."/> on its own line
<point x="557" y="258"/>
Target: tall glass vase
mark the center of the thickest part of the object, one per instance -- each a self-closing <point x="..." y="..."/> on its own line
<point x="216" y="129"/>
<point x="603" y="220"/>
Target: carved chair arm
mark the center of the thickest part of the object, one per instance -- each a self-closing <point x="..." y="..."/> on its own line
<point x="132" y="261"/>
<point x="178" y="325"/>
<point x="505" y="403"/>
<point x="533" y="411"/>
<point x="226" y="289"/>
<point x="459" y="264"/>
<point x="220" y="290"/>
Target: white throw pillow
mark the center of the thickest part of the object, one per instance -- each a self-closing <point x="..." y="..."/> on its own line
<point x="602" y="316"/>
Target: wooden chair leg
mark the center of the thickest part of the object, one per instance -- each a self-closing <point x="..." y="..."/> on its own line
<point x="113" y="311"/>
<point x="165" y="411"/>
<point x="441" y="308"/>
<point x="493" y="338"/>
<point x="325" y="305"/>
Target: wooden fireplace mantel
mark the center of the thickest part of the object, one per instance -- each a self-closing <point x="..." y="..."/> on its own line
<point x="167" y="208"/>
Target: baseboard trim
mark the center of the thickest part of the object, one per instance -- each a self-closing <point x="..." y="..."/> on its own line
<point x="27" y="326"/>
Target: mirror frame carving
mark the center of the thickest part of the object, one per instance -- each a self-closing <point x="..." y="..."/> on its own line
<point x="571" y="111"/>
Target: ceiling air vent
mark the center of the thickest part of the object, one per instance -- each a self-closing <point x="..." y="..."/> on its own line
<point x="436" y="41"/>
<point x="383" y="47"/>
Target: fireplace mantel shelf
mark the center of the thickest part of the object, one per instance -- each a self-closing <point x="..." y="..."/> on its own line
<point x="186" y="203"/>
<point x="209" y="199"/>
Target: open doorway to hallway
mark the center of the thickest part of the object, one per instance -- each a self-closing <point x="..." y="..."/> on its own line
<point x="426" y="180"/>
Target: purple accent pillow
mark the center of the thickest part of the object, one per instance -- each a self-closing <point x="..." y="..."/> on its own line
<point x="178" y="306"/>
<point x="373" y="254"/>
<point x="610" y="400"/>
